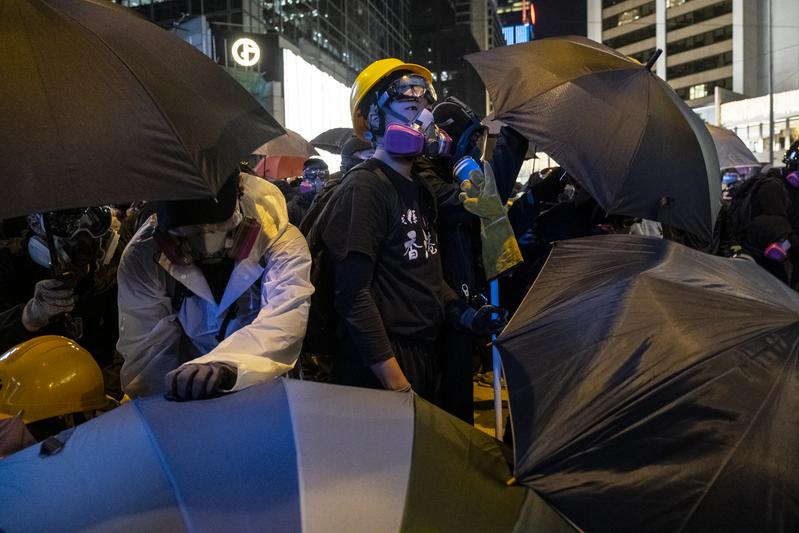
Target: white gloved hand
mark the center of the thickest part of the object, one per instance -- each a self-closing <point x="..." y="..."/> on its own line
<point x="50" y="299"/>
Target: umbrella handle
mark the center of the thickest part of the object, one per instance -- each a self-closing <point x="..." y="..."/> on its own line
<point x="651" y="62"/>
<point x="48" y="234"/>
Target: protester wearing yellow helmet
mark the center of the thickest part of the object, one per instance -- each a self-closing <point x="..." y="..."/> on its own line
<point x="379" y="231"/>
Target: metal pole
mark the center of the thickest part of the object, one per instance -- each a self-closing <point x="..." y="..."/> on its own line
<point x="494" y="290"/>
<point x="770" y="85"/>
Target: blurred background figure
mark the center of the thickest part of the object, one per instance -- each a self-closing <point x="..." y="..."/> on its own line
<point x="315" y="174"/>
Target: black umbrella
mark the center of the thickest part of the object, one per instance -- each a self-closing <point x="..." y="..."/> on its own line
<point x="610" y="122"/>
<point x="333" y="140"/>
<point x="731" y="149"/>
<point x="101" y="106"/>
<point x="656" y="388"/>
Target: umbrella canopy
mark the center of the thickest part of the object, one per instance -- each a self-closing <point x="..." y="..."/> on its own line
<point x="731" y="149"/>
<point x="655" y="388"/>
<point x="620" y="130"/>
<point x="285" y="456"/>
<point x="101" y="106"/>
<point x="333" y="140"/>
<point x="279" y="167"/>
<point x="290" y="144"/>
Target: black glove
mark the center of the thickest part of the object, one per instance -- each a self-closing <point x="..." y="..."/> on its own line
<point x="199" y="381"/>
<point x="488" y="320"/>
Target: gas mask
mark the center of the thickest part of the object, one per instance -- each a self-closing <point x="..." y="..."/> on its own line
<point x="84" y="240"/>
<point x="422" y="136"/>
<point x="205" y="243"/>
<point x="210" y="243"/>
<point x="793" y="179"/>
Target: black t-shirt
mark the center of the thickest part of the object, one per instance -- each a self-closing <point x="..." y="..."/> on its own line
<point x="392" y="221"/>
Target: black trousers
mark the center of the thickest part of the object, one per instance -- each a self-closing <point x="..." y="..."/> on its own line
<point x="456" y="393"/>
<point x="418" y="360"/>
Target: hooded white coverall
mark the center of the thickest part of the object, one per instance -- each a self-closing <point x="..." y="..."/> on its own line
<point x="264" y="338"/>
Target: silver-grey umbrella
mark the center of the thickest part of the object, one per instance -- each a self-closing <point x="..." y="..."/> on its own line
<point x="731" y="149"/>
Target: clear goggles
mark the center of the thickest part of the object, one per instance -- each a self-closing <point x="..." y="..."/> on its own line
<point x="69" y="223"/>
<point x="411" y="87"/>
<point x="315" y="173"/>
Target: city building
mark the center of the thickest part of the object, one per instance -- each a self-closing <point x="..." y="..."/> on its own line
<point x="518" y="20"/>
<point x="297" y="57"/>
<point x="525" y="20"/>
<point x="439" y="43"/>
<point x="723" y="57"/>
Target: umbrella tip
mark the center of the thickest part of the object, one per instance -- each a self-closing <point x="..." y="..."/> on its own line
<point x="652" y="59"/>
<point x="511" y="482"/>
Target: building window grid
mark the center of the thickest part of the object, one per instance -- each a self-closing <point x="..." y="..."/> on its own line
<point x="632" y="37"/>
<point x="699" y="65"/>
<point x="643" y="56"/>
<point x="714" y="36"/>
<point x="629" y="16"/>
<point x="701" y="90"/>
<point x="700" y="15"/>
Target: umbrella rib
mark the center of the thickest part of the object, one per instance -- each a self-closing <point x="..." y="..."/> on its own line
<point x="138" y="80"/>
<point x="162" y="461"/>
<point x="727" y="459"/>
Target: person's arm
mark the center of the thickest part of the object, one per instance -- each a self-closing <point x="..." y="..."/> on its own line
<point x="270" y="345"/>
<point x="149" y="331"/>
<point x="358" y="311"/>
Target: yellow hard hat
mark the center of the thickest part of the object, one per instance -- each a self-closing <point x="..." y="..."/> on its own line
<point x="49" y="376"/>
<point x="369" y="78"/>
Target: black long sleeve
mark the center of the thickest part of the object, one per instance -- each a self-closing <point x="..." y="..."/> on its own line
<point x="356" y="307"/>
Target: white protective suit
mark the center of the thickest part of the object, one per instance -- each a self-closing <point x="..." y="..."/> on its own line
<point x="262" y="341"/>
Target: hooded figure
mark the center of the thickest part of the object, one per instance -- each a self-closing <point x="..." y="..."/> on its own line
<point x="213" y="294"/>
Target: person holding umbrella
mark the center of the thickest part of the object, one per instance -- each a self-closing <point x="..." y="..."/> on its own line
<point x="77" y="297"/>
<point x="213" y="294"/>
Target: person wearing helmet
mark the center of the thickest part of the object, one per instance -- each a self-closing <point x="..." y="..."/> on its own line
<point x="772" y="236"/>
<point x="64" y="287"/>
<point x="379" y="229"/>
<point x="213" y="294"/>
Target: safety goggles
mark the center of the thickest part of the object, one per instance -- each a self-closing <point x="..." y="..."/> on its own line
<point x="69" y="223"/>
<point x="411" y="87"/>
<point x="316" y="173"/>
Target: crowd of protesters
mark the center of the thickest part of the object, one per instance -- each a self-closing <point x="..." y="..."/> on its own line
<point x="372" y="276"/>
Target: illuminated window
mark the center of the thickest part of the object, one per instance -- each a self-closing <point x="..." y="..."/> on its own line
<point x="697" y="91"/>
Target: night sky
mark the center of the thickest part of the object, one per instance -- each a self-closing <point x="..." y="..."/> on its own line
<point x="560" y="17"/>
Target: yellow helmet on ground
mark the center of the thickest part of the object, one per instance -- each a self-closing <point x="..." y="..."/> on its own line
<point x="49" y="376"/>
<point x="370" y="78"/>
